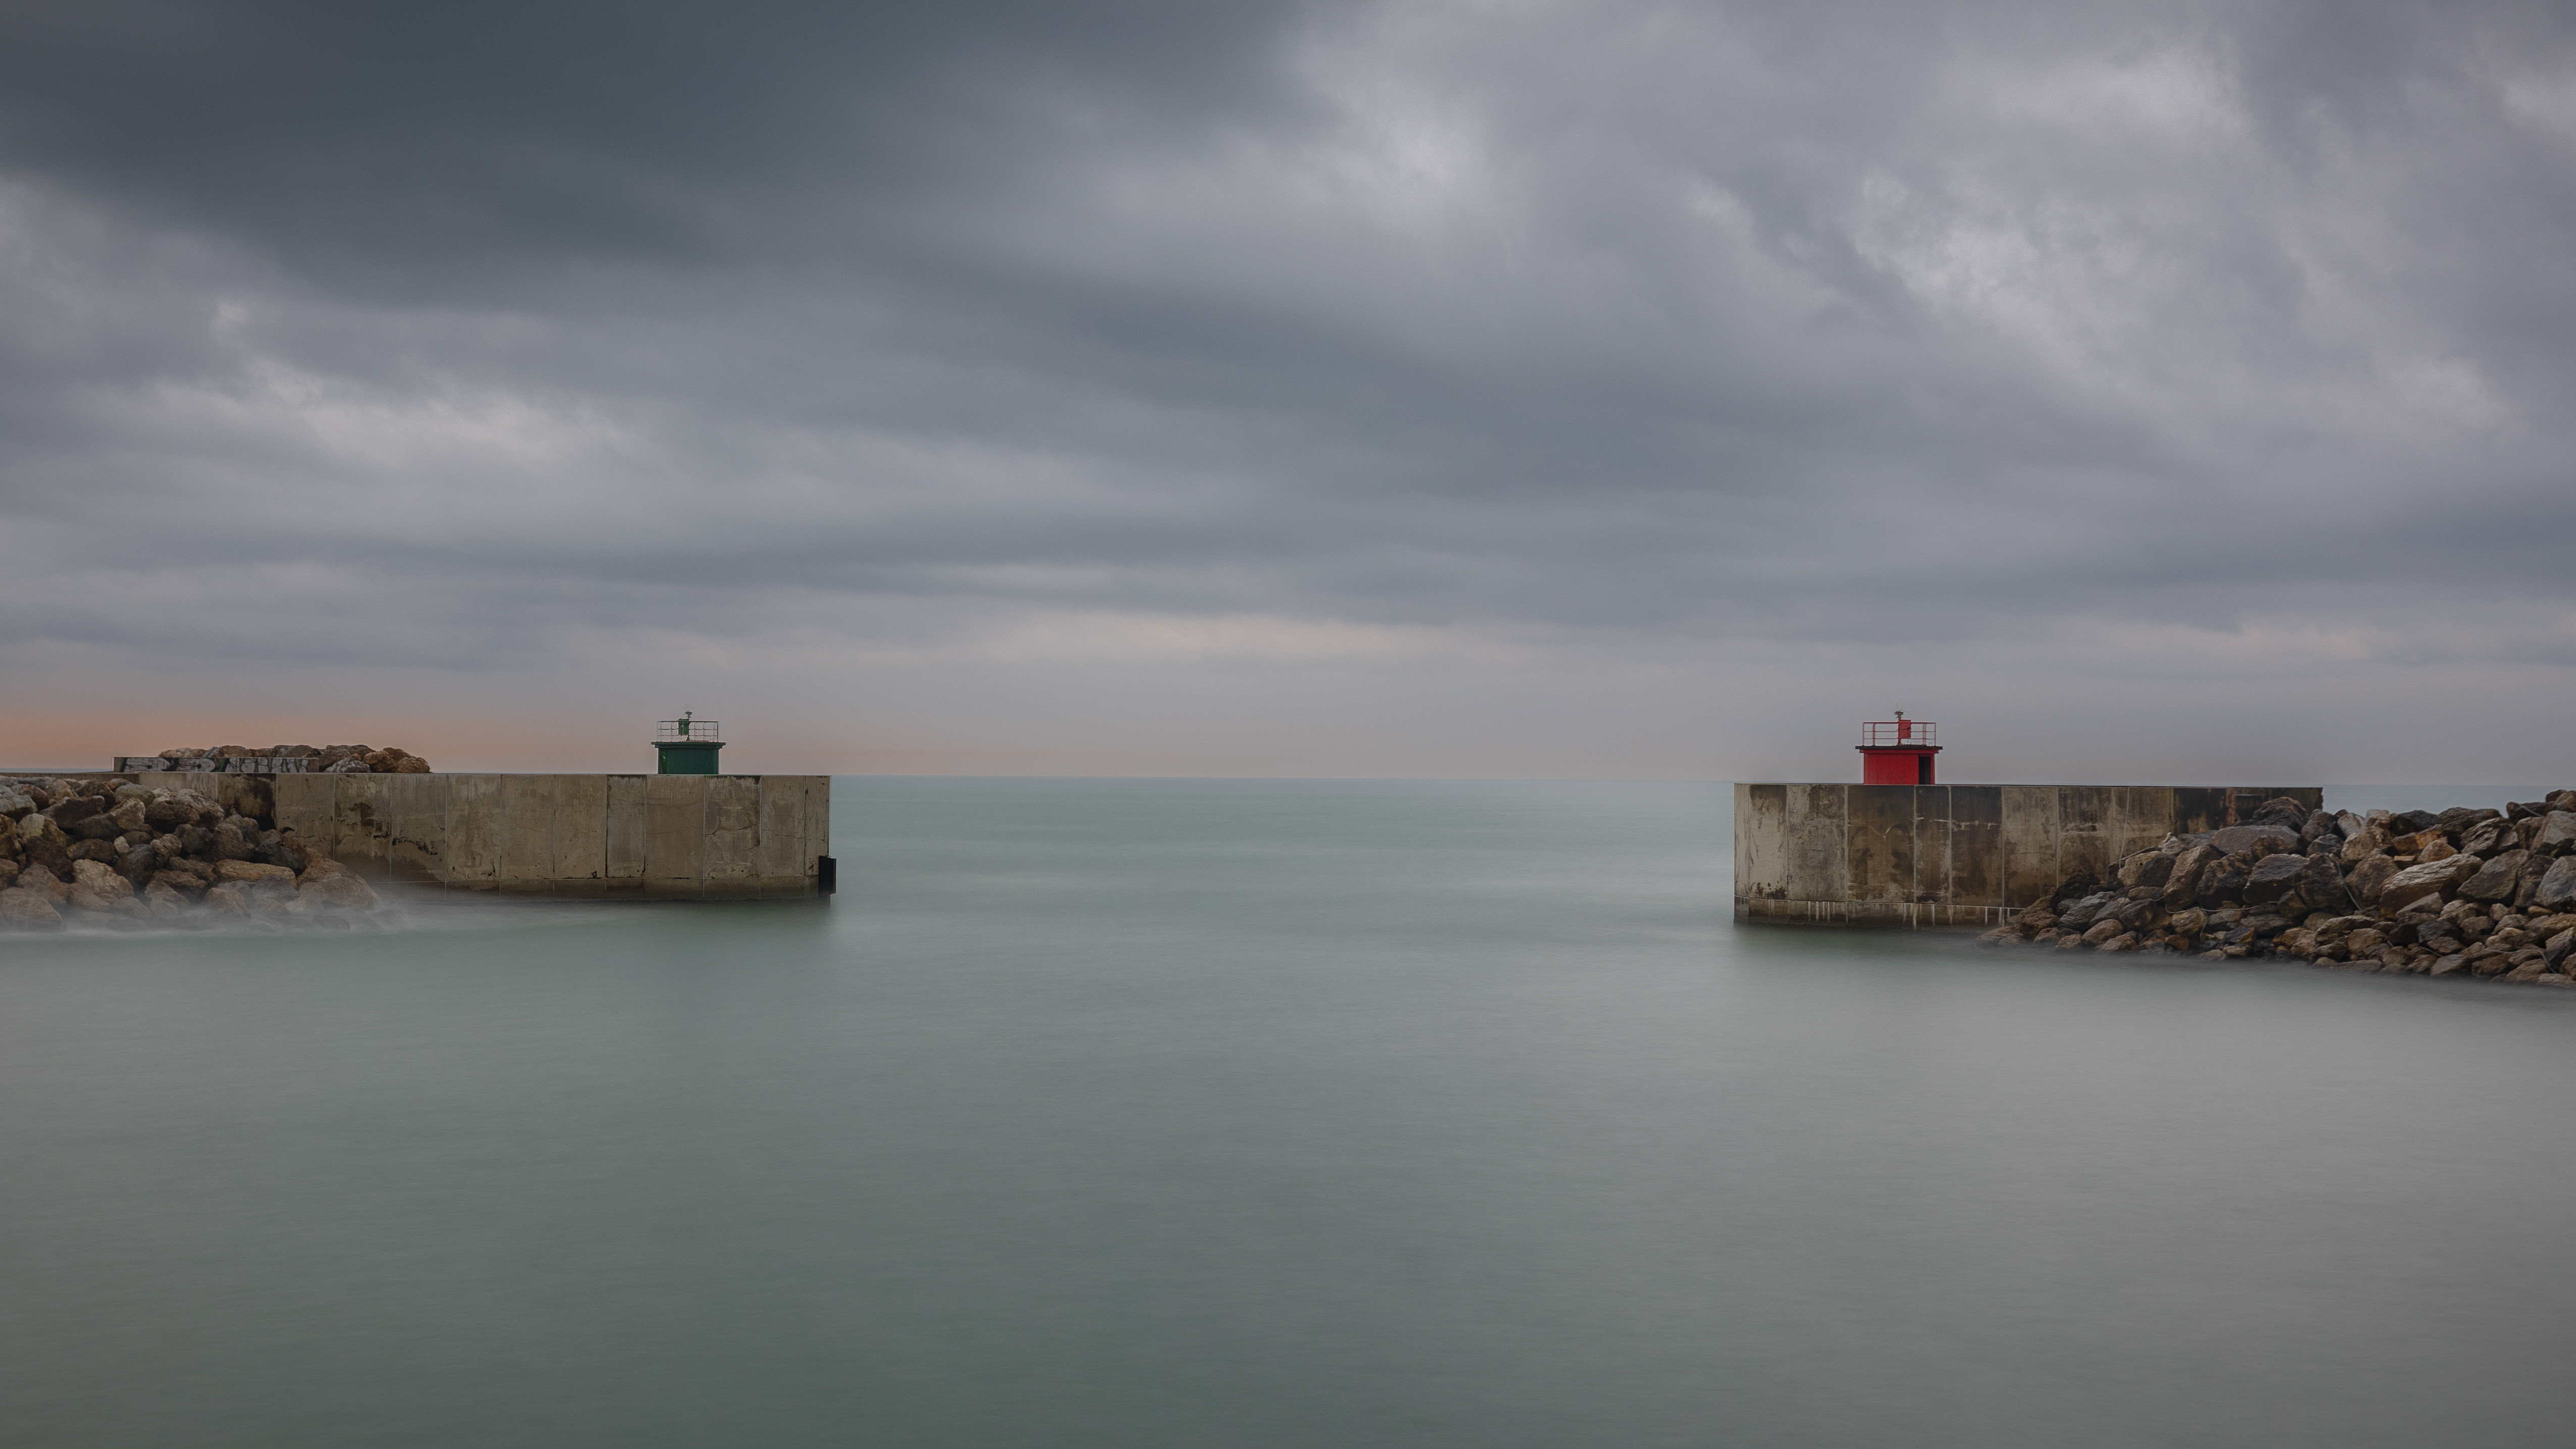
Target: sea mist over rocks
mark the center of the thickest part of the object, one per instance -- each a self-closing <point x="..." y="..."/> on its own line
<point x="2149" y="391"/>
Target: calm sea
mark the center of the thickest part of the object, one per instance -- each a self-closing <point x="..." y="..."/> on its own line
<point x="1251" y="1114"/>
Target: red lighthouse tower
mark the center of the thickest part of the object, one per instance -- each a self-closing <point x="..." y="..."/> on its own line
<point x="1897" y="751"/>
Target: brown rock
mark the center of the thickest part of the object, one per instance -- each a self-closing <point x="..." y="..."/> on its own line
<point x="99" y="880"/>
<point x="2101" y="931"/>
<point x="2125" y="941"/>
<point x="2182" y="887"/>
<point x="229" y="899"/>
<point x="2447" y="965"/>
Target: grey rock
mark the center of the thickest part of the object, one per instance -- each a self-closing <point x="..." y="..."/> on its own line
<point x="2488" y="837"/>
<point x="2274" y="877"/>
<point x="2557" y="833"/>
<point x="2412" y="822"/>
<point x="2368" y="875"/>
<point x="2557" y="890"/>
<point x="2320" y="886"/>
<point x="2319" y="825"/>
<point x="2495" y="881"/>
<point x="2280" y="810"/>
<point x="2440" y="877"/>
<point x="2080" y="915"/>
<point x="14" y="805"/>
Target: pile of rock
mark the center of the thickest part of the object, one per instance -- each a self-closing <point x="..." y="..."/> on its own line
<point x="2487" y="893"/>
<point x="127" y="854"/>
<point x="326" y="760"/>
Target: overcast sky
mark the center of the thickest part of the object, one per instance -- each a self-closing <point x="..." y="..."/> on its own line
<point x="2142" y="391"/>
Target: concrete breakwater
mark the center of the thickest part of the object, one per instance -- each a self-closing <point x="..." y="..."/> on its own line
<point x="1953" y="855"/>
<point x="2480" y="892"/>
<point x="652" y="837"/>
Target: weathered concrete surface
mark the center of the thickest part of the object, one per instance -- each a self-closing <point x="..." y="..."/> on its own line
<point x="662" y="836"/>
<point x="1944" y="855"/>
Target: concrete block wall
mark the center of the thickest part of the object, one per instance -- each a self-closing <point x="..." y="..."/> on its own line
<point x="1952" y="855"/>
<point x="659" y="837"/>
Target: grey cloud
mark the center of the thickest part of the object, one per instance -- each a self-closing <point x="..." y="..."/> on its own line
<point x="1626" y="326"/>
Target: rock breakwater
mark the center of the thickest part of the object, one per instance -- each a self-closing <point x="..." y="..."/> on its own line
<point x="2480" y="893"/>
<point x="115" y="853"/>
<point x="320" y="760"/>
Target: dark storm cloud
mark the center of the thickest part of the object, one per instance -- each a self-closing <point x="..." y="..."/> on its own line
<point x="350" y="332"/>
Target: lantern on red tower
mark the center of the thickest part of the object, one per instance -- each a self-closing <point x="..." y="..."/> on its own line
<point x="1898" y="751"/>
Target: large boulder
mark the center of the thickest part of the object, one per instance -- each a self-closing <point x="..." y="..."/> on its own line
<point x="2361" y="845"/>
<point x="137" y="862"/>
<point x="2489" y="838"/>
<point x="71" y="810"/>
<point x="2432" y="877"/>
<point x="2081" y="914"/>
<point x="2495" y="880"/>
<point x="2456" y="820"/>
<point x="2320" y="886"/>
<point x="2557" y="890"/>
<point x="2280" y="810"/>
<point x="27" y="910"/>
<point x="2146" y="868"/>
<point x="100" y="881"/>
<point x="2274" y="877"/>
<point x="2182" y="886"/>
<point x="2262" y="839"/>
<point x="2410" y="822"/>
<point x="2557" y="833"/>
<point x="14" y="804"/>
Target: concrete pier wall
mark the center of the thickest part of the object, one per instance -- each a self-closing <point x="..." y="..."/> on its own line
<point x="663" y="837"/>
<point x="1952" y="855"/>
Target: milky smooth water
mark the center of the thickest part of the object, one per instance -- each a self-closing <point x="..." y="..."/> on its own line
<point x="1203" y="1113"/>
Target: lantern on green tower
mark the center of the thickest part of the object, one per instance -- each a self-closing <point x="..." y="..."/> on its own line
<point x="688" y="745"/>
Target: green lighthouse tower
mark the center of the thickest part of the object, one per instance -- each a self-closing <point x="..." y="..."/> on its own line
<point x="688" y="746"/>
